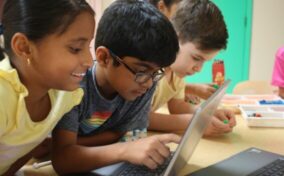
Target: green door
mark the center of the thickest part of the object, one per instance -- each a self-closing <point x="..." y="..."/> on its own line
<point x="237" y="14"/>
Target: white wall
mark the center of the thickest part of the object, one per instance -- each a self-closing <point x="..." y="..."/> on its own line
<point x="267" y="36"/>
<point x="106" y="3"/>
<point x="98" y="6"/>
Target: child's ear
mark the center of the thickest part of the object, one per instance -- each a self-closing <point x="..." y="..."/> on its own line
<point x="21" y="46"/>
<point x="103" y="56"/>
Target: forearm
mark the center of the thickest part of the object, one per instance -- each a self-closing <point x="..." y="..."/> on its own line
<point x="191" y="89"/>
<point x="203" y="91"/>
<point x="76" y="159"/>
<point x="174" y="123"/>
<point x="18" y="164"/>
<point x="179" y="106"/>
<point x="104" y="138"/>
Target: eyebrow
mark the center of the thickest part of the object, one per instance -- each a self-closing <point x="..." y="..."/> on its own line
<point x="198" y="56"/>
<point x="144" y="65"/>
<point x="81" y="39"/>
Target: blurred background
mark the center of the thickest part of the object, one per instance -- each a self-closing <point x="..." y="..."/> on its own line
<point x="256" y="31"/>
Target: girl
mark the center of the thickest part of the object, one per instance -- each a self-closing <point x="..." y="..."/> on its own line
<point x="278" y="72"/>
<point x="47" y="55"/>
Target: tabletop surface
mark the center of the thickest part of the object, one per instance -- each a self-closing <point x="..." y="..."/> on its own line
<point x="215" y="149"/>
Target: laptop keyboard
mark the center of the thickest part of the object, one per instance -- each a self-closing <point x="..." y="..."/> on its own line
<point x="134" y="170"/>
<point x="275" y="168"/>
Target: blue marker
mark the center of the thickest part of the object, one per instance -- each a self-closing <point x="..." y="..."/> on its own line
<point x="271" y="102"/>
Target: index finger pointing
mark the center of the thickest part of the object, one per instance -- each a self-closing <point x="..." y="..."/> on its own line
<point x="168" y="138"/>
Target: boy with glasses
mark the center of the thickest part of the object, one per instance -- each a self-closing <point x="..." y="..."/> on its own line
<point x="133" y="44"/>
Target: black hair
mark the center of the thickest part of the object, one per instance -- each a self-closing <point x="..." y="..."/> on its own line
<point x="201" y="22"/>
<point x="39" y="18"/>
<point x="168" y="3"/>
<point x="136" y="28"/>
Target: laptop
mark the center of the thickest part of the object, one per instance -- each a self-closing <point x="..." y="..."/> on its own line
<point x="251" y="162"/>
<point x="190" y="139"/>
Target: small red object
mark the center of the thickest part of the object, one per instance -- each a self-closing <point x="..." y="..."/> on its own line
<point x="257" y="115"/>
<point x="218" y="72"/>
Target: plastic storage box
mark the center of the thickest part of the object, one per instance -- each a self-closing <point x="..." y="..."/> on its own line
<point x="263" y="115"/>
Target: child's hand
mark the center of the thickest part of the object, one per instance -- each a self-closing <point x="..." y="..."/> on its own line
<point x="226" y="115"/>
<point x="192" y="99"/>
<point x="222" y="122"/>
<point x="150" y="151"/>
<point x="205" y="90"/>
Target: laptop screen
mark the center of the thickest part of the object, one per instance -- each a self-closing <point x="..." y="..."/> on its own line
<point x="195" y="130"/>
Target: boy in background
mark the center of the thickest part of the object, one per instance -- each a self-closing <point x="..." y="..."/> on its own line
<point x="133" y="44"/>
<point x="193" y="92"/>
<point x="202" y="34"/>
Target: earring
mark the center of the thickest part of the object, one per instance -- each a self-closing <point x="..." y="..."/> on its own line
<point x="28" y="61"/>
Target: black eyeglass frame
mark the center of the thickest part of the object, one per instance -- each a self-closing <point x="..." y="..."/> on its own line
<point x="140" y="77"/>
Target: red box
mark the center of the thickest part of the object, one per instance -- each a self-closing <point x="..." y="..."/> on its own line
<point x="218" y="72"/>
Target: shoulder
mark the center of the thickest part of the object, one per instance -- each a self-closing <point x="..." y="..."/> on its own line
<point x="10" y="88"/>
<point x="178" y="81"/>
<point x="5" y="86"/>
<point x="280" y="53"/>
<point x="8" y="107"/>
<point x="9" y="78"/>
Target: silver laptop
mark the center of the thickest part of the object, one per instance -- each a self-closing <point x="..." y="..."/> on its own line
<point x="251" y="162"/>
<point x="192" y="135"/>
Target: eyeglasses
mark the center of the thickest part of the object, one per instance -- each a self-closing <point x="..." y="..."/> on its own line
<point x="140" y="77"/>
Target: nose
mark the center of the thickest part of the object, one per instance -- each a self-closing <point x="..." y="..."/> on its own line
<point x="198" y="67"/>
<point x="87" y="60"/>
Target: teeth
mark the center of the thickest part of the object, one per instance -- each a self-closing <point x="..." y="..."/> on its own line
<point x="79" y="74"/>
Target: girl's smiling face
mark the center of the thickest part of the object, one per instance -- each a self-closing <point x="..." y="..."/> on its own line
<point x="59" y="61"/>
